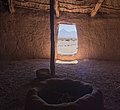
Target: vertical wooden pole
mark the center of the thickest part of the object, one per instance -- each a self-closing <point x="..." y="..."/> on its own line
<point x="11" y="7"/>
<point x="52" y="57"/>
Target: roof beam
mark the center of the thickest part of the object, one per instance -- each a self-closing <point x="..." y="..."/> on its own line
<point x="62" y="7"/>
<point x="97" y="7"/>
<point x="11" y="7"/>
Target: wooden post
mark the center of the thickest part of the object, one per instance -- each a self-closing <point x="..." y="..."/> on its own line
<point x="11" y="7"/>
<point x="52" y="57"/>
<point x="57" y="11"/>
<point x="97" y="7"/>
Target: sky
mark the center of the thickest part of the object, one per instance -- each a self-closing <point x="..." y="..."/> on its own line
<point x="67" y="27"/>
<point x="67" y="31"/>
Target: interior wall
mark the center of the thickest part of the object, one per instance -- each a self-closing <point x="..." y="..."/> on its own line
<point x="98" y="38"/>
<point x="26" y="34"/>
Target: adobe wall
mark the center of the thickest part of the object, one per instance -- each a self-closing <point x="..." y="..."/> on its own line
<point x="26" y="34"/>
<point x="99" y="37"/>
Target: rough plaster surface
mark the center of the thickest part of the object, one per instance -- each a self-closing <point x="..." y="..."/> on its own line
<point x="98" y="37"/>
<point x="26" y="34"/>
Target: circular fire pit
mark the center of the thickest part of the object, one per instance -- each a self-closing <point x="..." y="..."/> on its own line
<point x="64" y="94"/>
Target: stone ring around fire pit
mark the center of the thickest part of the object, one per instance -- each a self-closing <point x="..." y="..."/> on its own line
<point x="64" y="94"/>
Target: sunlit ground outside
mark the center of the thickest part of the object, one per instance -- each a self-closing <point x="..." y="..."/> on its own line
<point x="67" y="62"/>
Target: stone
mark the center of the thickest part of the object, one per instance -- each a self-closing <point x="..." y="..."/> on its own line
<point x="43" y="74"/>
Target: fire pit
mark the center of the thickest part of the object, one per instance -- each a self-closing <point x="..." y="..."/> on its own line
<point x="64" y="94"/>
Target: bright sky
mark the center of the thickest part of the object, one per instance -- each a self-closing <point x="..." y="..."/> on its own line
<point x="67" y="27"/>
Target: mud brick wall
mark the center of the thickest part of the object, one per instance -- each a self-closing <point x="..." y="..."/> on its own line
<point x="25" y="34"/>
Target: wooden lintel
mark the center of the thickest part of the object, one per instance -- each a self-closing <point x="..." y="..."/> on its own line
<point x="56" y="7"/>
<point x="97" y="7"/>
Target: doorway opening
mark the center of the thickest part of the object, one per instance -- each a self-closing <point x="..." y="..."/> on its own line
<point x="67" y="39"/>
<point x="67" y="44"/>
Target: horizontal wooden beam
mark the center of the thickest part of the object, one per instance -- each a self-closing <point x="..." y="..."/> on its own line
<point x="109" y="11"/>
<point x="32" y="5"/>
<point x="69" y="5"/>
<point x="110" y="7"/>
<point x="81" y="10"/>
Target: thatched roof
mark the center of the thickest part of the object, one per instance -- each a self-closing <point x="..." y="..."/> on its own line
<point x="80" y="6"/>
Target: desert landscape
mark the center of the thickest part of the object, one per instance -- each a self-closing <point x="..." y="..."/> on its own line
<point x="67" y="46"/>
<point x="67" y="39"/>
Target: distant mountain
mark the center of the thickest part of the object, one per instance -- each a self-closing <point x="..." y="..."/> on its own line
<point x="65" y="34"/>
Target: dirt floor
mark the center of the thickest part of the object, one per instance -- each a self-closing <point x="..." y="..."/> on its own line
<point x="15" y="78"/>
